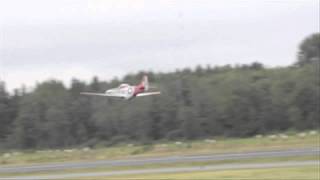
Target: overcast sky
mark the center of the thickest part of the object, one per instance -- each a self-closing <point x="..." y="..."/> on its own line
<point x="62" y="39"/>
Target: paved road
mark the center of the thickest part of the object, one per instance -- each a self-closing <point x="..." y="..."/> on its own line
<point x="171" y="170"/>
<point x="160" y="160"/>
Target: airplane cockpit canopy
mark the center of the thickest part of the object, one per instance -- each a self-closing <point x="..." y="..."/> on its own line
<point x="123" y="86"/>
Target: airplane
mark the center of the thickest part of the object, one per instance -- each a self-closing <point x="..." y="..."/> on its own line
<point x="126" y="91"/>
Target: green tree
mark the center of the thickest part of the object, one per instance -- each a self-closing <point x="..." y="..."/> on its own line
<point x="5" y="112"/>
<point x="309" y="50"/>
<point x="43" y="119"/>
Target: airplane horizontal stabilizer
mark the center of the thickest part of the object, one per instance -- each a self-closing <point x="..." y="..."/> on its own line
<point x="148" y="94"/>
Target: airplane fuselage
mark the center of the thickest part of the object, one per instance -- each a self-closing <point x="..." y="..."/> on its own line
<point x="126" y="91"/>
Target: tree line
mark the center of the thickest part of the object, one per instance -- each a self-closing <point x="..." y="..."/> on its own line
<point x="230" y="101"/>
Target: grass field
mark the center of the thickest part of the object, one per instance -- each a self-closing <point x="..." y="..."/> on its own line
<point x="293" y="173"/>
<point x="210" y="146"/>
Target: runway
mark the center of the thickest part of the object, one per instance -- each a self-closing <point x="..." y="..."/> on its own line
<point x="171" y="170"/>
<point x="160" y="160"/>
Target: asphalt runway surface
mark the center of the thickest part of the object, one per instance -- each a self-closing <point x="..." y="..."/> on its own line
<point x="171" y="170"/>
<point x="159" y="160"/>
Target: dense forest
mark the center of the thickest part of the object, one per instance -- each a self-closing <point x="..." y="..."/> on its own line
<point x="231" y="101"/>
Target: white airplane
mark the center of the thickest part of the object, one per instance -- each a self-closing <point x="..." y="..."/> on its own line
<point x="126" y="91"/>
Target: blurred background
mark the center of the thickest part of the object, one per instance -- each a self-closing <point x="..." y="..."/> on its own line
<point x="230" y="69"/>
<point x="239" y="82"/>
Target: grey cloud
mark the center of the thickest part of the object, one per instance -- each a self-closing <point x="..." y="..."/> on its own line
<point x="161" y="36"/>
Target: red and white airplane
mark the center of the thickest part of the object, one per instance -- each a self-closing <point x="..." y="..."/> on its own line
<point x="126" y="91"/>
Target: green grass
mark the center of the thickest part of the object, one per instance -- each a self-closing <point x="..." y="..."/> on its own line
<point x="164" y="149"/>
<point x="292" y="173"/>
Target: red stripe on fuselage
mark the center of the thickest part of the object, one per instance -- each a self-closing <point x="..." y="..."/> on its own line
<point x="138" y="89"/>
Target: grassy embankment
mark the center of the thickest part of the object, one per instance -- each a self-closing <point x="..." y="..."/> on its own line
<point x="171" y="165"/>
<point x="218" y="145"/>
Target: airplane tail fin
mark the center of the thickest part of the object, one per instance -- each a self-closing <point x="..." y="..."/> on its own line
<point x="145" y="82"/>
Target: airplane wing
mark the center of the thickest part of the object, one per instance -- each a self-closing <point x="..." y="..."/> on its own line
<point x="101" y="94"/>
<point x="93" y="94"/>
<point x="148" y="94"/>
